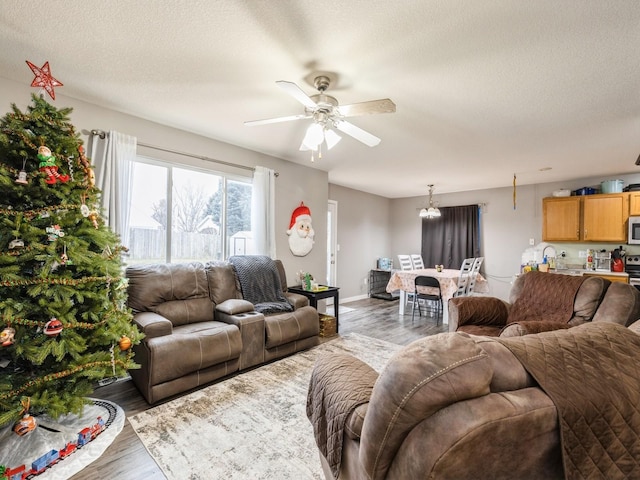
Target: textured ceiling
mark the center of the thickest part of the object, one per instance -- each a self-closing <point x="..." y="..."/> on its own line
<point x="484" y="89"/>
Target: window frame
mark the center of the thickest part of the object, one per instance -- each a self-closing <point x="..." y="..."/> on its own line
<point x="225" y="176"/>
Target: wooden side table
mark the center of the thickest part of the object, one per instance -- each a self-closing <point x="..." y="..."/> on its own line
<point x="314" y="296"/>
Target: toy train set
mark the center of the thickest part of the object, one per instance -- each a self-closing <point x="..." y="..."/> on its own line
<point x="52" y="457"/>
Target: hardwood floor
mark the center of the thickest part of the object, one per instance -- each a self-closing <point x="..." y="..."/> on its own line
<point x="127" y="459"/>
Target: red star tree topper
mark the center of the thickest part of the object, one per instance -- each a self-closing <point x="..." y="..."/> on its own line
<point x="44" y="79"/>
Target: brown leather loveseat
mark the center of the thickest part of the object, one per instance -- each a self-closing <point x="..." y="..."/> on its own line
<point x="545" y="301"/>
<point x="198" y="327"/>
<point x="466" y="407"/>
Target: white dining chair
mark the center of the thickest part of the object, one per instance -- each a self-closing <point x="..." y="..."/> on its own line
<point x="464" y="277"/>
<point x="405" y="262"/>
<point x="473" y="274"/>
<point x="416" y="260"/>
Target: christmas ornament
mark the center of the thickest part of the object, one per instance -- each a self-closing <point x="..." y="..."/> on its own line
<point x="84" y="210"/>
<point x="26" y="425"/>
<point x="16" y="243"/>
<point x="7" y="336"/>
<point x="54" y="232"/>
<point x="64" y="258"/>
<point x="53" y="327"/>
<point x="49" y="167"/>
<point x="125" y="343"/>
<point x="22" y="176"/>
<point x="93" y="216"/>
<point x="44" y="79"/>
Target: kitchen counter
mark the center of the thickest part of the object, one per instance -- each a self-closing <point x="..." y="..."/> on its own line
<point x="624" y="277"/>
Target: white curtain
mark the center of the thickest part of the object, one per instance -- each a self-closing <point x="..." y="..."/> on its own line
<point x="263" y="212"/>
<point x="113" y="159"/>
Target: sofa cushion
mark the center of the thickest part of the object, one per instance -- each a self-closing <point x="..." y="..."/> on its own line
<point x="588" y="298"/>
<point x="178" y="292"/>
<point x="223" y="282"/>
<point x="196" y="346"/>
<point x="621" y="304"/>
<point x="288" y="327"/>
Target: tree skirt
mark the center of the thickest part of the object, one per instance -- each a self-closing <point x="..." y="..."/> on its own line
<point x="253" y="425"/>
<point x="55" y="435"/>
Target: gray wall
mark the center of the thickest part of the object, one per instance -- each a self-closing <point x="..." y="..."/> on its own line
<point x="505" y="231"/>
<point x="369" y="226"/>
<point x="363" y="236"/>
<point x="295" y="184"/>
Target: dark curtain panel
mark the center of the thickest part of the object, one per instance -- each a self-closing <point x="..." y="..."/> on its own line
<point x="452" y="237"/>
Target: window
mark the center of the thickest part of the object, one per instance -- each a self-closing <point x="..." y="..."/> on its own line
<point x="183" y="214"/>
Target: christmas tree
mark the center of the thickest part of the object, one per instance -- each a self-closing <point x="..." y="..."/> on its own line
<point x="64" y="323"/>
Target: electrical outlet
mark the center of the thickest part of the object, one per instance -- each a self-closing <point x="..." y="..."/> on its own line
<point x="365" y="280"/>
<point x="582" y="254"/>
<point x="532" y="241"/>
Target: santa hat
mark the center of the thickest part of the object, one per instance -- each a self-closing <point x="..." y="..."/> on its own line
<point x="302" y="210"/>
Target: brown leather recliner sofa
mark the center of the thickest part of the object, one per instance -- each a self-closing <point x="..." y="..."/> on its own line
<point x="198" y="327"/>
<point x="537" y="296"/>
<point x="466" y="407"/>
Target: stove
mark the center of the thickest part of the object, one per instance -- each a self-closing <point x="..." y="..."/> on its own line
<point x="632" y="267"/>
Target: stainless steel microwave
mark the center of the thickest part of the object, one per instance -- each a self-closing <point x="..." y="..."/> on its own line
<point x="634" y="231"/>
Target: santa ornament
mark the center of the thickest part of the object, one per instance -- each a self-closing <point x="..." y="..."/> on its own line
<point x="300" y="231"/>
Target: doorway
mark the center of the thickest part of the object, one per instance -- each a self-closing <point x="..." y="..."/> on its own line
<point x="332" y="241"/>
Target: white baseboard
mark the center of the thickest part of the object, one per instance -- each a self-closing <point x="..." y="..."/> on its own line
<point x="353" y="299"/>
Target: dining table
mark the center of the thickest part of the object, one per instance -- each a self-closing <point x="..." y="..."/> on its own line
<point x="404" y="280"/>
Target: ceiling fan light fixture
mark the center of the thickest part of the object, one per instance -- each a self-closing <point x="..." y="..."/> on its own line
<point x="314" y="136"/>
<point x="332" y="138"/>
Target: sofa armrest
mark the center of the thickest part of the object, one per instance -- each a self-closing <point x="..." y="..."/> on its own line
<point x="153" y="325"/>
<point x="252" y="329"/>
<point x="477" y="311"/>
<point x="234" y="306"/>
<point x="339" y="387"/>
<point x="417" y="383"/>
<point x="517" y="329"/>
<point x="297" y="300"/>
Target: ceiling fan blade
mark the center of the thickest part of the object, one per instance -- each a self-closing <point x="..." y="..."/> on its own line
<point x="266" y="121"/>
<point x="296" y="92"/>
<point x="374" y="106"/>
<point x="357" y="133"/>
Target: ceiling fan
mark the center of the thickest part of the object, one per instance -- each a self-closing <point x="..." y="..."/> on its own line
<point x="326" y="112"/>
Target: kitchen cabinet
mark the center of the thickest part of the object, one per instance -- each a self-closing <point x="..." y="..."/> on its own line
<point x="561" y="219"/>
<point x="605" y="217"/>
<point x="588" y="218"/>
<point x="634" y="203"/>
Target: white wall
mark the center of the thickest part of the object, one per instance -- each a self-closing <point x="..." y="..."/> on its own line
<point x="295" y="183"/>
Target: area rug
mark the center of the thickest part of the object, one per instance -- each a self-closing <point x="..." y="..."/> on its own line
<point x="251" y="426"/>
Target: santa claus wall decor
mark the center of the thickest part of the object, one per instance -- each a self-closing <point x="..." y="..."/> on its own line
<point x="300" y="231"/>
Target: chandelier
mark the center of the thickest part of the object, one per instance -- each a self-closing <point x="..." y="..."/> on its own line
<point x="431" y="212"/>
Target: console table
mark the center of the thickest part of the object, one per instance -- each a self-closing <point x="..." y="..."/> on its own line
<point x="314" y="296"/>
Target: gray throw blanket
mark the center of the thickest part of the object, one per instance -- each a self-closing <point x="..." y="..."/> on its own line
<point x="260" y="283"/>
<point x="592" y="375"/>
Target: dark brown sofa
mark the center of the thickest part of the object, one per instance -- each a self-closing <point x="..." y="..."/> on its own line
<point x="198" y="327"/>
<point x="596" y="300"/>
<point x="466" y="407"/>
